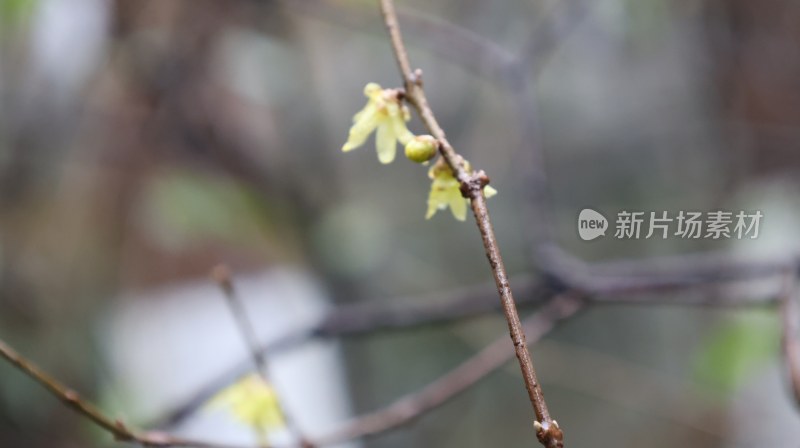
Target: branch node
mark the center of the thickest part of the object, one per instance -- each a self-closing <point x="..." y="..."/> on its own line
<point x="71" y="396"/>
<point x="549" y="434"/>
<point x="474" y="184"/>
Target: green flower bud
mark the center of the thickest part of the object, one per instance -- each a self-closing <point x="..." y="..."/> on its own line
<point x="421" y="148"/>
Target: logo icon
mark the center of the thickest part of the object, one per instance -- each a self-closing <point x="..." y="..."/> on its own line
<point x="591" y="224"/>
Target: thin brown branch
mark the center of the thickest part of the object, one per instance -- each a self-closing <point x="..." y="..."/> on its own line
<point x="789" y="342"/>
<point x="116" y="428"/>
<point x="547" y="430"/>
<point x="222" y="276"/>
<point x="456" y="381"/>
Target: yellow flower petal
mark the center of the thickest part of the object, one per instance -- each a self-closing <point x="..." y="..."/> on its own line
<point x="386" y="143"/>
<point x="458" y="204"/>
<point x="401" y="131"/>
<point x="253" y="402"/>
<point x="368" y="119"/>
<point x="373" y="90"/>
<point x="436" y="200"/>
<point x="444" y="191"/>
<point x="370" y="108"/>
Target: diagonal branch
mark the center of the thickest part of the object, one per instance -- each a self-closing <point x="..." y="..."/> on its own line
<point x="458" y="380"/>
<point x="119" y="430"/>
<point x="222" y="276"/>
<point x="547" y="430"/>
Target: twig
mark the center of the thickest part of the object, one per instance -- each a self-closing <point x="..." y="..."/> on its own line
<point x="547" y="430"/>
<point x="789" y="341"/>
<point x="118" y="429"/>
<point x="222" y="275"/>
<point x="456" y="381"/>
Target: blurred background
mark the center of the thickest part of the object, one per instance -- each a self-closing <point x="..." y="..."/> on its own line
<point x="144" y="141"/>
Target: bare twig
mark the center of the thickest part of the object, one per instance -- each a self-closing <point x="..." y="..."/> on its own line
<point x="458" y="380"/>
<point x="221" y="274"/>
<point x="789" y="341"/>
<point x="118" y="429"/>
<point x="547" y="430"/>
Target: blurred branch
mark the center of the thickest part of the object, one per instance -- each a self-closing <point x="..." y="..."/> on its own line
<point x="222" y="275"/>
<point x="631" y="386"/>
<point x="659" y="274"/>
<point x="457" y="44"/>
<point x="456" y="381"/>
<point x="118" y="429"/>
<point x="607" y="283"/>
<point x="395" y="415"/>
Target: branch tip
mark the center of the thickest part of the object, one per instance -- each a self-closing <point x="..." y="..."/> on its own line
<point x="549" y="434"/>
<point x="221" y="275"/>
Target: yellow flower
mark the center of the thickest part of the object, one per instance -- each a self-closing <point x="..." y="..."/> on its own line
<point x="386" y="113"/>
<point x="446" y="191"/>
<point x="253" y="402"/>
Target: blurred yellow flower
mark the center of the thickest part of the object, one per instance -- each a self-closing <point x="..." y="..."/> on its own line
<point x="446" y="191"/>
<point x="253" y="402"/>
<point x="386" y="113"/>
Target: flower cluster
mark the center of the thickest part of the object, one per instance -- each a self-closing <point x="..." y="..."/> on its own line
<point x="386" y="113"/>
<point x="446" y="191"/>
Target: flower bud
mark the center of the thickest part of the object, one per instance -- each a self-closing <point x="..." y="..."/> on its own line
<point x="421" y="148"/>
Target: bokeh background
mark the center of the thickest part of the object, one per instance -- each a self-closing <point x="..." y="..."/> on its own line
<point x="144" y="141"/>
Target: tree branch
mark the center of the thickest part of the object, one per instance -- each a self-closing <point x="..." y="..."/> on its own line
<point x="456" y="381"/>
<point x="547" y="430"/>
<point x="222" y="276"/>
<point x="118" y="429"/>
<point x="401" y="412"/>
